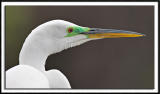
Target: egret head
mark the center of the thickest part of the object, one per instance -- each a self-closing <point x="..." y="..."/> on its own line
<point x="57" y="35"/>
<point x="60" y="34"/>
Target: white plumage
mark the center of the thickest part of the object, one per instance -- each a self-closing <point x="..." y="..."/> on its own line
<point x="49" y="38"/>
<point x="43" y="41"/>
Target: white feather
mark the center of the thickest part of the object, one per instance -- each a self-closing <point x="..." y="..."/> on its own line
<point x="43" y="41"/>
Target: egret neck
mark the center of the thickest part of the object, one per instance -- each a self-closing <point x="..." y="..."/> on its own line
<point x="35" y="50"/>
<point x="33" y="56"/>
<point x="48" y="38"/>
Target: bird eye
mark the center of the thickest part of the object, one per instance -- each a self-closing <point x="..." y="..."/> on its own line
<point x="70" y="30"/>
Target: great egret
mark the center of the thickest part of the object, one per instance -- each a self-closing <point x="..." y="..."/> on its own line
<point x="49" y="38"/>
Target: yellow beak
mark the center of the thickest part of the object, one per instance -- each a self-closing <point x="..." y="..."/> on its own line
<point x="113" y="35"/>
<point x="110" y="33"/>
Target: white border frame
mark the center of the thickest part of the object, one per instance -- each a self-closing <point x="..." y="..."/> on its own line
<point x="155" y="4"/>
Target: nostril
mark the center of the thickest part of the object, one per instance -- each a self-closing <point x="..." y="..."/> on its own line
<point x="92" y="30"/>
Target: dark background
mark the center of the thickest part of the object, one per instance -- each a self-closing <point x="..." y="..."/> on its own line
<point x="118" y="63"/>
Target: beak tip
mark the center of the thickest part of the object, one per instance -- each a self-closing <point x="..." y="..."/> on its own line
<point x="143" y="35"/>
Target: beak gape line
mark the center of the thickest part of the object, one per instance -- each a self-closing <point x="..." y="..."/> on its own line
<point x="110" y="33"/>
<point x="100" y="33"/>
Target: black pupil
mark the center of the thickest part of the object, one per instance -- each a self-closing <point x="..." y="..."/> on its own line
<point x="70" y="30"/>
